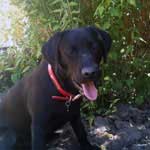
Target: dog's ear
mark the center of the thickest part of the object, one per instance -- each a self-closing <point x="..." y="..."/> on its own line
<point x="51" y="52"/>
<point x="51" y="47"/>
<point x="104" y="39"/>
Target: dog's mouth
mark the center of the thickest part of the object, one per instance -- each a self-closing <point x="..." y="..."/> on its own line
<point x="88" y="89"/>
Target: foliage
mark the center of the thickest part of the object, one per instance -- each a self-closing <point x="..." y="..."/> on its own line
<point x="14" y="64"/>
<point x="53" y="15"/>
<point x="126" y="76"/>
<point x="128" y="79"/>
<point x="12" y="26"/>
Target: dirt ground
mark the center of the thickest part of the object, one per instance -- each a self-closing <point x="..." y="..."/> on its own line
<point x="127" y="129"/>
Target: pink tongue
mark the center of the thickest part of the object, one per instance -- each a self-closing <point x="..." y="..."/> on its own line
<point x="89" y="90"/>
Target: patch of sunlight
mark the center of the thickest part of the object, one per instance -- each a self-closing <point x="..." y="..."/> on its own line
<point x="12" y="23"/>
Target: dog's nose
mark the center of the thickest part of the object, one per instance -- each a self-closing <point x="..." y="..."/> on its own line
<point x="89" y="72"/>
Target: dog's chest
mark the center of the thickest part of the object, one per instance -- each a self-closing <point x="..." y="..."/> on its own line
<point x="65" y="109"/>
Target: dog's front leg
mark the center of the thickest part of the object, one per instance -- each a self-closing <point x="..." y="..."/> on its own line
<point x="38" y="136"/>
<point x="39" y="129"/>
<point x="38" y="109"/>
<point x="79" y="130"/>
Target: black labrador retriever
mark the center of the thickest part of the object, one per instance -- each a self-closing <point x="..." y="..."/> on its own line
<point x="50" y="96"/>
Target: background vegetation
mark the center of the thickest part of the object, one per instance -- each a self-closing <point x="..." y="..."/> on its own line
<point x="126" y="76"/>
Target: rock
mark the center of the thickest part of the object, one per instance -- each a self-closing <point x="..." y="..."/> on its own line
<point x="121" y="130"/>
<point x="113" y="143"/>
<point x="101" y="125"/>
<point x="122" y="124"/>
<point x="127" y="129"/>
<point x="129" y="135"/>
<point x="128" y="113"/>
<point x="123" y="111"/>
<point x="146" y="133"/>
<point x="140" y="147"/>
<point x="122" y="139"/>
<point x="66" y="140"/>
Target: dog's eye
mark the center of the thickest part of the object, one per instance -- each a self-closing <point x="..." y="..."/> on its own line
<point x="96" y="51"/>
<point x="90" y="44"/>
<point x="94" y="46"/>
<point x="73" y="49"/>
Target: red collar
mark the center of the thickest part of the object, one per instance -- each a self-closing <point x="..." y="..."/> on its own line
<point x="66" y="96"/>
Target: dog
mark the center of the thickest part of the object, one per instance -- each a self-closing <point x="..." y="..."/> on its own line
<point x="50" y="95"/>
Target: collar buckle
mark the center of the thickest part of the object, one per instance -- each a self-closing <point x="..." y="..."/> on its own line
<point x="68" y="103"/>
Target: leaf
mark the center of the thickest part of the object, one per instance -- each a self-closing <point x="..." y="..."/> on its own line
<point x="56" y="27"/>
<point x="114" y="56"/>
<point x="73" y="4"/>
<point x="75" y="12"/>
<point x="141" y="39"/>
<point x="132" y="2"/>
<point x="118" y="84"/>
<point x="19" y="60"/>
<point x="103" y="147"/>
<point x="106" y="25"/>
<point x="129" y="49"/>
<point x="9" y="69"/>
<point x="115" y="12"/>
<point x="91" y="119"/>
<point x="139" y="100"/>
<point x="57" y="10"/>
<point x="114" y="102"/>
<point x="129" y="82"/>
<point x="15" y="77"/>
<point x="107" y="2"/>
<point x="38" y="54"/>
<point x="106" y="78"/>
<point x="26" y="69"/>
<point x="101" y="10"/>
<point x="55" y="2"/>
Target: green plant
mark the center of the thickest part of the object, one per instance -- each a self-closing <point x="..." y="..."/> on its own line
<point x="125" y="77"/>
<point x="127" y="73"/>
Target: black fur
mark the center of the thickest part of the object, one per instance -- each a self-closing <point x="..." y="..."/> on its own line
<point x="28" y="107"/>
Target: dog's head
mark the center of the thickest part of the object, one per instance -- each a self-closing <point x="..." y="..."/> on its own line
<point x="76" y="54"/>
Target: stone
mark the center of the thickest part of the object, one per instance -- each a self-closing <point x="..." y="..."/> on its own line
<point x="130" y="136"/>
<point x="122" y="124"/>
<point x="101" y="125"/>
<point x="140" y="147"/>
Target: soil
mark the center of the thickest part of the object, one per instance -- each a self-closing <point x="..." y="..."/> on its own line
<point x="126" y="129"/>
